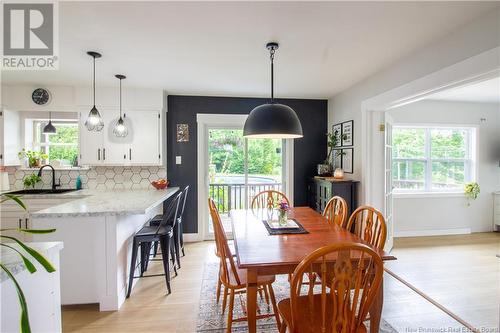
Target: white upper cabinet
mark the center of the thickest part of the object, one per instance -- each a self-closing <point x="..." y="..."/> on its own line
<point x="10" y="137"/>
<point x="142" y="145"/>
<point x="144" y="130"/>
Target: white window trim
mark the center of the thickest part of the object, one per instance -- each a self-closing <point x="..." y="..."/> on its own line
<point x="470" y="163"/>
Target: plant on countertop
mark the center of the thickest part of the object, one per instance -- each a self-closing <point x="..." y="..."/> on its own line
<point x="31" y="180"/>
<point x="472" y="191"/>
<point x="26" y="253"/>
<point x="34" y="157"/>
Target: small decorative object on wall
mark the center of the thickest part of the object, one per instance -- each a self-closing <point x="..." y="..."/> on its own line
<point x="182" y="133"/>
<point x="347" y="133"/>
<point x="40" y="96"/>
<point x="471" y="191"/>
<point x="347" y="160"/>
<point x="337" y="132"/>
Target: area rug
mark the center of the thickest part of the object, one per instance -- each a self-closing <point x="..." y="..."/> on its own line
<point x="211" y="319"/>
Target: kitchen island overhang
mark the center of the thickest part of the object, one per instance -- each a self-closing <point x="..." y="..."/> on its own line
<point x="97" y="230"/>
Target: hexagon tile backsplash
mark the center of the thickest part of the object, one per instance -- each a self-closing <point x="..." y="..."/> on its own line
<point x="100" y="178"/>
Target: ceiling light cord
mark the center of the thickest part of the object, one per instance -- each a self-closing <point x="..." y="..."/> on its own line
<point x="94" y="80"/>
<point x="272" y="51"/>
<point x="120" y="98"/>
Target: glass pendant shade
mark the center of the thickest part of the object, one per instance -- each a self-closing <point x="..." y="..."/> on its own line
<point x="49" y="128"/>
<point x="94" y="121"/>
<point x="120" y="129"/>
<point x="273" y="120"/>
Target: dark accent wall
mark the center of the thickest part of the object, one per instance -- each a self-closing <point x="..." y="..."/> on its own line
<point x="308" y="151"/>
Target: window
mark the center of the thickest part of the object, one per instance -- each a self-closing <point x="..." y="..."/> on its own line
<point x="62" y="146"/>
<point x="432" y="159"/>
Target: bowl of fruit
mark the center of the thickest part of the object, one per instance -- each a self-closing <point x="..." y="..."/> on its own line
<point x="160" y="184"/>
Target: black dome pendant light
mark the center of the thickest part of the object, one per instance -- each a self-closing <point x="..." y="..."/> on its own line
<point x="49" y="128"/>
<point x="272" y="120"/>
<point x="94" y="120"/>
<point x="120" y="129"/>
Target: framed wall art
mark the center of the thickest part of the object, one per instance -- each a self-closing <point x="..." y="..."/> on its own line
<point x="182" y="132"/>
<point x="347" y="133"/>
<point x="347" y="160"/>
<point x="337" y="131"/>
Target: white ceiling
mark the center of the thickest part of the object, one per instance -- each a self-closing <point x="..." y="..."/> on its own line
<point x="481" y="92"/>
<point x="217" y="48"/>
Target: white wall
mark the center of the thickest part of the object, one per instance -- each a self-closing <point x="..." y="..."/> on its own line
<point x="69" y="98"/>
<point x="479" y="36"/>
<point x="441" y="215"/>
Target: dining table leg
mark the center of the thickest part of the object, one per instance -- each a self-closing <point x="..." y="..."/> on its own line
<point x="252" y="300"/>
<point x="376" y="309"/>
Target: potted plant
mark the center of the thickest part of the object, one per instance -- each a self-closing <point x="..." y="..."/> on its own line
<point x="27" y="254"/>
<point x="333" y="140"/>
<point x="471" y="191"/>
<point x="31" y="180"/>
<point x="34" y="157"/>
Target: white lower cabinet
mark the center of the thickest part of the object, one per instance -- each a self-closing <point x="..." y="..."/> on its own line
<point x="142" y="145"/>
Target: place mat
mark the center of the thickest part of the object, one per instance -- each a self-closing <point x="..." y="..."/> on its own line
<point x="285" y="231"/>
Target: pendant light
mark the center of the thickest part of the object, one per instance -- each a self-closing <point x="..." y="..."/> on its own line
<point x="272" y="120"/>
<point x="49" y="128"/>
<point x="94" y="120"/>
<point x="120" y="129"/>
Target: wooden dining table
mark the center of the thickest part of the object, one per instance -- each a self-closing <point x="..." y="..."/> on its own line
<point x="263" y="254"/>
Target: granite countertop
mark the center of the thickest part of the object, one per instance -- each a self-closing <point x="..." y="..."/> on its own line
<point x="13" y="261"/>
<point x="105" y="203"/>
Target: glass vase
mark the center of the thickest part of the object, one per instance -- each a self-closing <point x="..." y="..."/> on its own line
<point x="282" y="218"/>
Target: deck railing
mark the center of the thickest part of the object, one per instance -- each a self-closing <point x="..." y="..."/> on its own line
<point x="233" y="196"/>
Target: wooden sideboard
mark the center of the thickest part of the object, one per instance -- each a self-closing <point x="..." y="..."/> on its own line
<point x="321" y="189"/>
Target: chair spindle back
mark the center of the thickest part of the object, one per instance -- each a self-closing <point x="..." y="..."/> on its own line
<point x="369" y="224"/>
<point x="336" y="211"/>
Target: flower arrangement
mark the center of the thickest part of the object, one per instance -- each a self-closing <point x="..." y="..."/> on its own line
<point x="472" y="191"/>
<point x="283" y="208"/>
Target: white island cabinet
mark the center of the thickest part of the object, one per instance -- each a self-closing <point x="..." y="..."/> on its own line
<point x="41" y="290"/>
<point x="97" y="231"/>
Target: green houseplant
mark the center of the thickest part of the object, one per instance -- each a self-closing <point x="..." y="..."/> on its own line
<point x="34" y="157"/>
<point x="31" y="180"/>
<point x="471" y="191"/>
<point x="27" y="254"/>
<point x="333" y="139"/>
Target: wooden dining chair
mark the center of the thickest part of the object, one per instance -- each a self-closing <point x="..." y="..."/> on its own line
<point x="234" y="279"/>
<point x="369" y="224"/>
<point x="268" y="199"/>
<point x="351" y="275"/>
<point x="336" y="211"/>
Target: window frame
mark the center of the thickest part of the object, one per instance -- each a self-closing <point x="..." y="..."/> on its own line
<point x="39" y="144"/>
<point x="470" y="167"/>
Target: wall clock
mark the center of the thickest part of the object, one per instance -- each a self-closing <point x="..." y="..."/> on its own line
<point x="40" y="96"/>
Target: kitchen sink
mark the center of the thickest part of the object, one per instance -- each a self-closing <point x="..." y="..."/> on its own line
<point x="43" y="191"/>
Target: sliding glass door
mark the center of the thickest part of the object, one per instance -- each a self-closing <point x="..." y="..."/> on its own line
<point x="238" y="169"/>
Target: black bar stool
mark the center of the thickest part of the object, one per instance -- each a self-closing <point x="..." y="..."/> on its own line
<point x="162" y="233"/>
<point x="178" y="234"/>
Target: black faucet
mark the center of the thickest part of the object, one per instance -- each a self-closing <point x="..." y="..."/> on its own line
<point x="54" y="185"/>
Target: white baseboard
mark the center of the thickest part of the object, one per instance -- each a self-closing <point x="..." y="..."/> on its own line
<point x="191" y="238"/>
<point x="433" y="232"/>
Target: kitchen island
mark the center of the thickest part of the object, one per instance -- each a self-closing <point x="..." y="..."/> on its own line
<point x="97" y="229"/>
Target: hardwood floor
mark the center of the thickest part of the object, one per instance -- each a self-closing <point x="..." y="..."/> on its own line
<point x="460" y="273"/>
